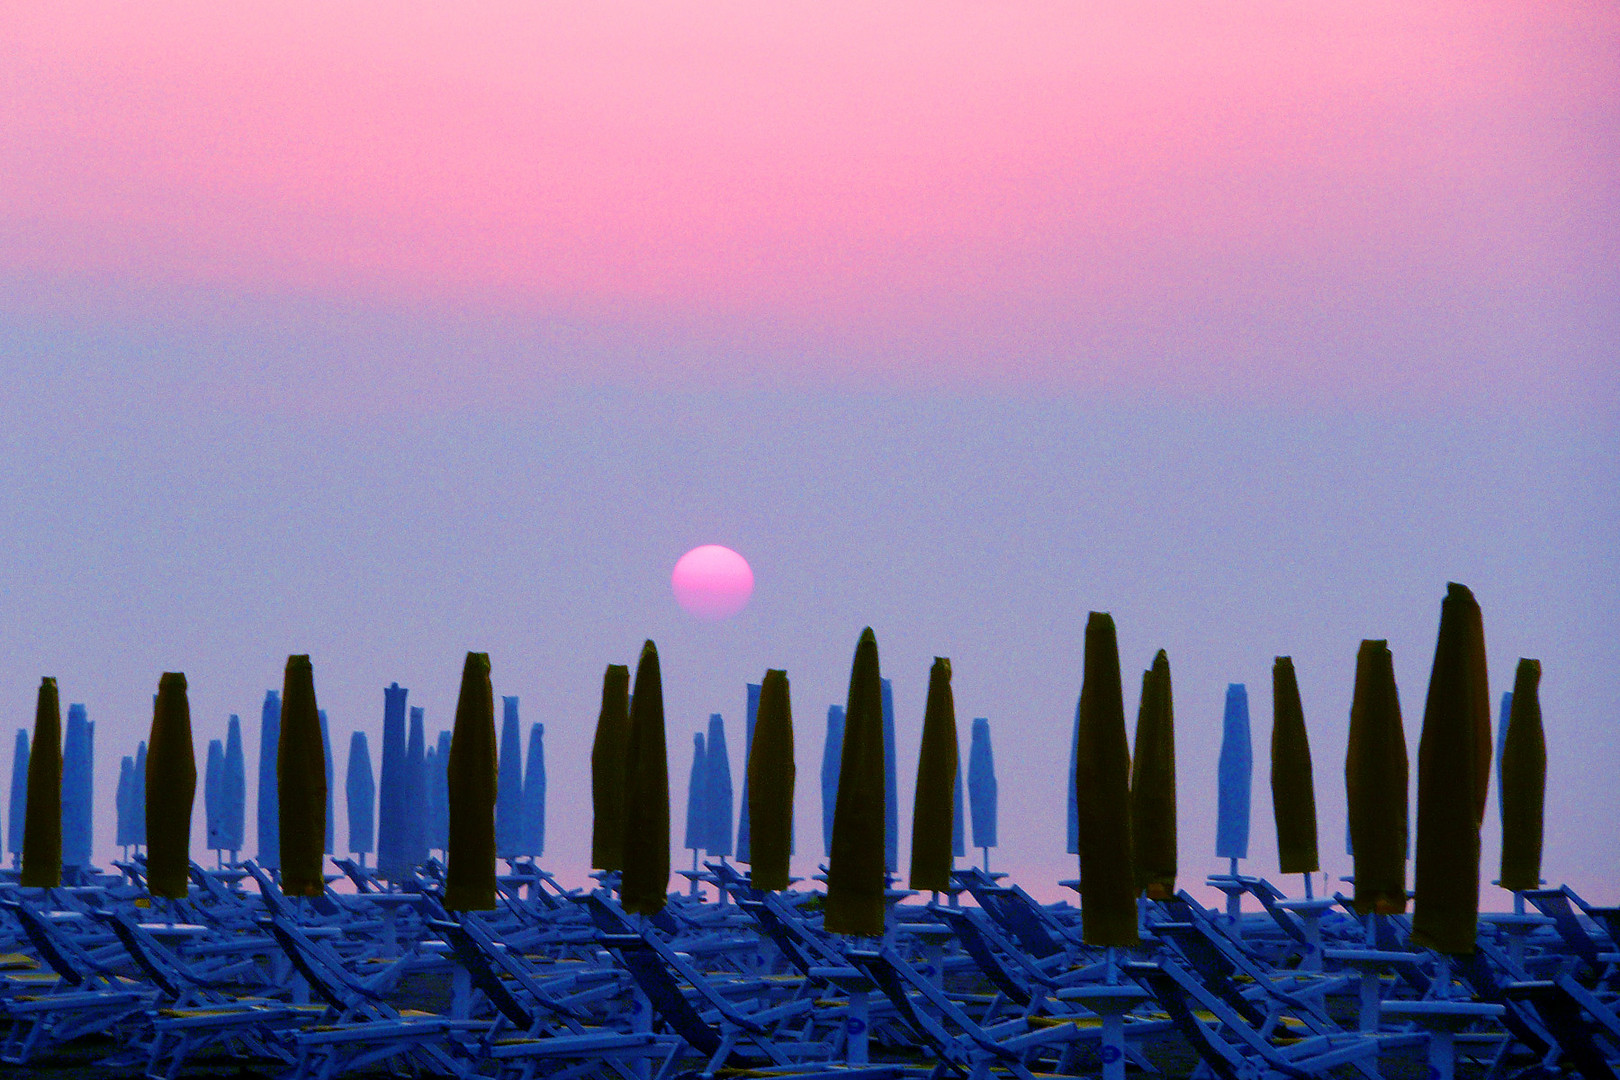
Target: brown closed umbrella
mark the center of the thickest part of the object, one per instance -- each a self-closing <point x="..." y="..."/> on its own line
<point x="771" y="776"/>
<point x="469" y="874"/>
<point x="856" y="871"/>
<point x="1293" y="792"/>
<point x="1102" y="792"/>
<point x="42" y="827"/>
<point x="171" y="790"/>
<point x="301" y="783"/>
<point x="1153" y="785"/>
<point x="1524" y="782"/>
<point x="607" y="770"/>
<point x="933" y="810"/>
<point x="1454" y="768"/>
<point x="644" y="884"/>
<point x="1375" y="776"/>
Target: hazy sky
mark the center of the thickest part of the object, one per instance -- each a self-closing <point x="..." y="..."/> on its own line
<point x="386" y="334"/>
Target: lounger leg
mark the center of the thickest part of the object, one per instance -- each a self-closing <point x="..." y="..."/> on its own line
<point x="856" y="1026"/>
<point x="1113" y="1045"/>
<point x="1442" y="1054"/>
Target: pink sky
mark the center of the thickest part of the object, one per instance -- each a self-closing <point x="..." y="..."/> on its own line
<point x="1202" y="193"/>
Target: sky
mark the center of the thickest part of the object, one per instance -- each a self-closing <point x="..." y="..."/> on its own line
<point x="386" y="333"/>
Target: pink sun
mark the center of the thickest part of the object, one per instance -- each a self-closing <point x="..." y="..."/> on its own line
<point x="712" y="582"/>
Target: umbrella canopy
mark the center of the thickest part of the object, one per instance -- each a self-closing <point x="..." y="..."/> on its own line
<point x="469" y="879"/>
<point x="856" y="870"/>
<point x="935" y="803"/>
<point x="1504" y="716"/>
<point x="18" y="808"/>
<point x="981" y="785"/>
<point x="213" y="780"/>
<point x="697" y="796"/>
<point x="1375" y="777"/>
<point x="718" y="792"/>
<point x="439" y="778"/>
<point x="78" y="790"/>
<point x="1293" y="793"/>
<point x="958" y="810"/>
<point x="42" y="822"/>
<point x="331" y="818"/>
<point x="509" y="803"/>
<point x="301" y="783"/>
<point x="771" y="775"/>
<point x="534" y="794"/>
<point x="392" y="788"/>
<point x="1234" y="775"/>
<point x="1102" y="791"/>
<point x="608" y="770"/>
<point x="1074" y="806"/>
<point x="269" y="802"/>
<point x="125" y="830"/>
<point x="413" y="836"/>
<point x="891" y="785"/>
<point x="1153" y="785"/>
<point x="360" y="791"/>
<point x="137" y="798"/>
<point x="1454" y="769"/>
<point x="744" y="819"/>
<point x="171" y="789"/>
<point x="644" y="883"/>
<point x="233" y="792"/>
<point x="832" y="757"/>
<point x="1524" y="782"/>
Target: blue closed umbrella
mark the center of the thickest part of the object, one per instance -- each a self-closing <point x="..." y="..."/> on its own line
<point x="78" y="752"/>
<point x="331" y="792"/>
<point x="832" y="753"/>
<point x="413" y="836"/>
<point x="233" y="793"/>
<point x="958" y="814"/>
<point x="1501" y="745"/>
<point x="891" y="786"/>
<point x="745" y="847"/>
<point x="509" y="785"/>
<point x="1234" y="775"/>
<point x="126" y="789"/>
<point x="534" y="794"/>
<point x="19" y="797"/>
<point x="717" y="761"/>
<point x="213" y="781"/>
<point x="137" y="797"/>
<point x="269" y="799"/>
<point x="1074" y="793"/>
<point x="391" y="786"/>
<point x="697" y="800"/>
<point x="982" y="788"/>
<point x="441" y="799"/>
<point x="360" y="787"/>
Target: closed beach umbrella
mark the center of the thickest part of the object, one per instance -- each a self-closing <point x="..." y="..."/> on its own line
<point x="1454" y="769"/>
<point x="1068" y="784"/>
<point x="891" y="785"/>
<point x="717" y="761"/>
<point x="534" y="794"/>
<point x="42" y="822"/>
<point x="697" y="801"/>
<point x="1102" y="790"/>
<point x="1293" y="792"/>
<point x="433" y="809"/>
<point x="856" y="877"/>
<point x="18" y="808"/>
<point x="981" y="785"/>
<point x="958" y="810"/>
<point x="1524" y="782"/>
<point x="360" y="791"/>
<point x="78" y="791"/>
<point x="644" y="883"/>
<point x="832" y="757"/>
<point x="608" y="770"/>
<point x="330" y="839"/>
<point x="1504" y="717"/>
<point x="413" y="836"/>
<point x="439" y="777"/>
<point x="124" y="831"/>
<point x="771" y="775"/>
<point x="1375" y="778"/>
<point x="1234" y="775"/>
<point x="171" y="789"/>
<point x="744" y="829"/>
<point x="469" y="879"/>
<point x="392" y="788"/>
<point x="509" y="803"/>
<point x="213" y="780"/>
<point x="934" y="804"/>
<point x="269" y="802"/>
<point x="137" y="798"/>
<point x="1153" y="785"/>
<point x="233" y="793"/>
<point x="301" y="783"/>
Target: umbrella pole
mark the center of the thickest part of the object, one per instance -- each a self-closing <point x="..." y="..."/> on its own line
<point x="1307" y="877"/>
<point x="1234" y="898"/>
